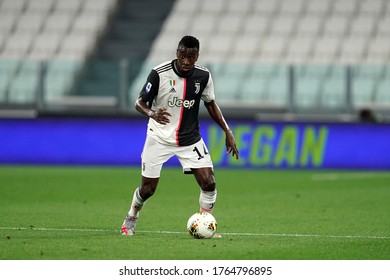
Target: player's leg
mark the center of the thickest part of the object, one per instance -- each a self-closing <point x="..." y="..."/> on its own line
<point x="141" y="194"/>
<point x="208" y="192"/>
<point x="153" y="157"/>
<point x="196" y="159"/>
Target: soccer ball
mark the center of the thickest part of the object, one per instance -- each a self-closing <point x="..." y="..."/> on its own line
<point x="202" y="225"/>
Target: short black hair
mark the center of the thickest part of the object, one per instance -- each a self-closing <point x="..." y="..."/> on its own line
<point x="189" y="42"/>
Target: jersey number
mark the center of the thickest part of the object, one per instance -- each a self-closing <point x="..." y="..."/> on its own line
<point x="200" y="156"/>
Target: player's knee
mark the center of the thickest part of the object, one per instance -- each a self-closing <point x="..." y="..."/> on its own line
<point x="208" y="185"/>
<point x="147" y="191"/>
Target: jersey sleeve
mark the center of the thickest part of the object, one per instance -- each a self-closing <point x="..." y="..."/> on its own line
<point x="208" y="93"/>
<point x="150" y="89"/>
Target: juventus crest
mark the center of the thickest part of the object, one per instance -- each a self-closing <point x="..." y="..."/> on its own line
<point x="197" y="87"/>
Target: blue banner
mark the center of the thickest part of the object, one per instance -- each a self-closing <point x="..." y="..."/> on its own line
<point x="262" y="145"/>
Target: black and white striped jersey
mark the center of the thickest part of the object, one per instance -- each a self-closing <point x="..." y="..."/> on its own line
<point x="181" y="96"/>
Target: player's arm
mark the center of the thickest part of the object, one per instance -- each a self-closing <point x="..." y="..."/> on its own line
<point x="144" y="102"/>
<point x="216" y="114"/>
<point x="161" y="115"/>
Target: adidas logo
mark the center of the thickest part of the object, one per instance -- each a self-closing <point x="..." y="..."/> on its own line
<point x="172" y="90"/>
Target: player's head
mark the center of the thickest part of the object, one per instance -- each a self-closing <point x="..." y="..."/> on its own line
<point x="187" y="54"/>
<point x="189" y="42"/>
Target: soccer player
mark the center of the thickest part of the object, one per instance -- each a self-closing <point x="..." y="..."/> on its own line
<point x="170" y="98"/>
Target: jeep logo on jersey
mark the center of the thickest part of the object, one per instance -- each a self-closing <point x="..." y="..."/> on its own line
<point x="178" y="103"/>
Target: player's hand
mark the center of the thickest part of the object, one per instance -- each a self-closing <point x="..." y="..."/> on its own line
<point x="231" y="147"/>
<point x="161" y="116"/>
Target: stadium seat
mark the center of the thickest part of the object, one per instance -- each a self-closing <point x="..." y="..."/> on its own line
<point x="309" y="26"/>
<point x="307" y="92"/>
<point x="253" y="88"/>
<point x="59" y="78"/>
<point x="228" y="89"/>
<point x="333" y="89"/>
<point x="41" y="7"/>
<point x="363" y="91"/>
<point x="372" y="8"/>
<point x="318" y="7"/>
<point x="382" y="96"/>
<point x="345" y="8"/>
<point x="190" y="5"/>
<point x="13" y="6"/>
<point x="101" y="7"/>
<point x="45" y="46"/>
<point x="29" y="23"/>
<point x="90" y="24"/>
<point x="8" y="69"/>
<point x="23" y="87"/>
<point x="17" y="46"/>
<point x="277" y="91"/>
<point x="352" y="49"/>
<point x="229" y="24"/>
<point x="242" y="9"/>
<point x="171" y="27"/>
<point x="255" y="25"/>
<point x="325" y="50"/>
<point x="265" y="7"/>
<point x="69" y="6"/>
<point x="378" y="50"/>
<point x="75" y="47"/>
<point x="206" y="23"/>
<point x="272" y="49"/>
<point x="7" y="22"/>
<point x="383" y="28"/>
<point x="336" y="26"/>
<point x="362" y="26"/>
<point x="58" y="23"/>
<point x="244" y="50"/>
<point x="299" y="50"/>
<point x="292" y="8"/>
<point x="283" y="25"/>
<point x="308" y="82"/>
<point x="265" y="85"/>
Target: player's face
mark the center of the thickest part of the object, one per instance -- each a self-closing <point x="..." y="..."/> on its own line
<point x="186" y="58"/>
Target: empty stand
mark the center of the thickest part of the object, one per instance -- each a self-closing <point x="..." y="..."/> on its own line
<point x="293" y="32"/>
<point x="13" y="6"/>
<point x="24" y="86"/>
<point x="60" y="77"/>
<point x="17" y="46"/>
<point x="45" y="46"/>
<point x="352" y="49"/>
<point x="58" y="22"/>
<point x="309" y="26"/>
<point x="378" y="50"/>
<point x="42" y="30"/>
<point x="41" y="7"/>
<point x="309" y="35"/>
<point x="299" y="49"/>
<point x="333" y="88"/>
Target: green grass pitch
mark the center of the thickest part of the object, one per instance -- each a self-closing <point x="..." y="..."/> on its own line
<point x="76" y="212"/>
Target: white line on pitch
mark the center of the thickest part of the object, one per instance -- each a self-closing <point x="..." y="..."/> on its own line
<point x="223" y="233"/>
<point x="349" y="176"/>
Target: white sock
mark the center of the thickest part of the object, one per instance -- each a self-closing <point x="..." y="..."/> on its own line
<point x="136" y="204"/>
<point x="207" y="200"/>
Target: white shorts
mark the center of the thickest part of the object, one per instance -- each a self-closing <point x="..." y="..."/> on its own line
<point x="155" y="154"/>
